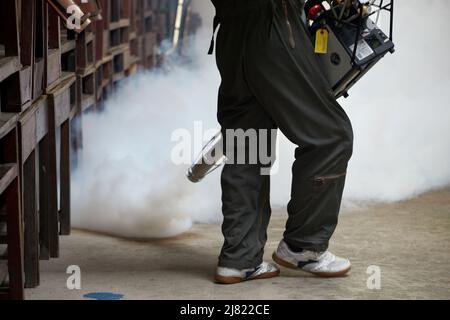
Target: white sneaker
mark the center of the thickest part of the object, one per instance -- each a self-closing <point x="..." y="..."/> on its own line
<point x="229" y="275"/>
<point x="324" y="264"/>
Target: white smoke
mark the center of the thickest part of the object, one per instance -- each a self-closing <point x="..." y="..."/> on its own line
<point x="127" y="185"/>
<point x="401" y="110"/>
<point x="205" y="9"/>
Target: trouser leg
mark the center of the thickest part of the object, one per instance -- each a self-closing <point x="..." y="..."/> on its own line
<point x="245" y="192"/>
<point x="290" y="86"/>
<point x="245" y="189"/>
<point x="246" y="210"/>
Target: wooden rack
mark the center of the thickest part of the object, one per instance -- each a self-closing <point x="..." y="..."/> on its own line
<point x="50" y="75"/>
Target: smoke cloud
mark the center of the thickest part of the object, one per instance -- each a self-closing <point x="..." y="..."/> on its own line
<point x="127" y="185"/>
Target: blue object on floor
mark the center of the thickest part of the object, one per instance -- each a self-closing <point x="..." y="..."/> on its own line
<point x="103" y="296"/>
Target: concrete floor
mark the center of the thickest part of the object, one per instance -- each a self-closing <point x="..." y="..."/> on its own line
<point x="409" y="241"/>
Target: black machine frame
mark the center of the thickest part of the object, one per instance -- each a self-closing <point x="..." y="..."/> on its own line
<point x="387" y="7"/>
<point x="332" y="18"/>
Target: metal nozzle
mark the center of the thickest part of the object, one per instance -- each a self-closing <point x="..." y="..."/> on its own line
<point x="211" y="158"/>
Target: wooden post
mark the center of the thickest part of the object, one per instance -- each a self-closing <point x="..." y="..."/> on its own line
<point x="53" y="219"/>
<point x="31" y="226"/>
<point x="10" y="190"/>
<point x="26" y="130"/>
<point x="44" y="233"/>
<point x="65" y="179"/>
<point x="59" y="113"/>
<point x="15" y="241"/>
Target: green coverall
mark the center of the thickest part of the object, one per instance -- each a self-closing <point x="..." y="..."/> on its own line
<point x="271" y="79"/>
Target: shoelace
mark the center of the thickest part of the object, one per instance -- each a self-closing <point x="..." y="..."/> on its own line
<point x="324" y="259"/>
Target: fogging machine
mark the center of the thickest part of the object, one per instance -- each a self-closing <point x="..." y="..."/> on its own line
<point x="347" y="39"/>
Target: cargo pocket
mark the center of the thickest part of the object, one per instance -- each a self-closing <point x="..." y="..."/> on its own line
<point x="320" y="182"/>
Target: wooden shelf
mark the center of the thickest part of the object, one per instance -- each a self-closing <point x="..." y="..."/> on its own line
<point x="86" y="71"/>
<point x="8" y="122"/>
<point x="68" y="45"/>
<point x="104" y="60"/>
<point x="8" y="66"/>
<point x="8" y="172"/>
<point x="90" y="37"/>
<point x="48" y="99"/>
<point x="65" y="76"/>
<point x="122" y="23"/>
<point x="73" y="112"/>
<point x="134" y="59"/>
<point x="87" y="100"/>
<point x="118" y="49"/>
<point x="3" y="257"/>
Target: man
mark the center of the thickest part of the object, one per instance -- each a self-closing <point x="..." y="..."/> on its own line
<point x="271" y="79"/>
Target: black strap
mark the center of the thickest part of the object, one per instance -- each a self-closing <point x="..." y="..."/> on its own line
<point x="216" y="23"/>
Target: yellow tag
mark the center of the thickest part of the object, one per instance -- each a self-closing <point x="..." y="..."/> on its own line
<point x="321" y="41"/>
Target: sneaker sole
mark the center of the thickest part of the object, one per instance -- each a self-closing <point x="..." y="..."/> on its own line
<point x="233" y="280"/>
<point x="289" y="265"/>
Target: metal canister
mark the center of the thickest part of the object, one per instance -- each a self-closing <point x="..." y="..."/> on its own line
<point x="211" y="158"/>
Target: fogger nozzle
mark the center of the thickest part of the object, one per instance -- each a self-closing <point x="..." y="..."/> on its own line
<point x="211" y="158"/>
